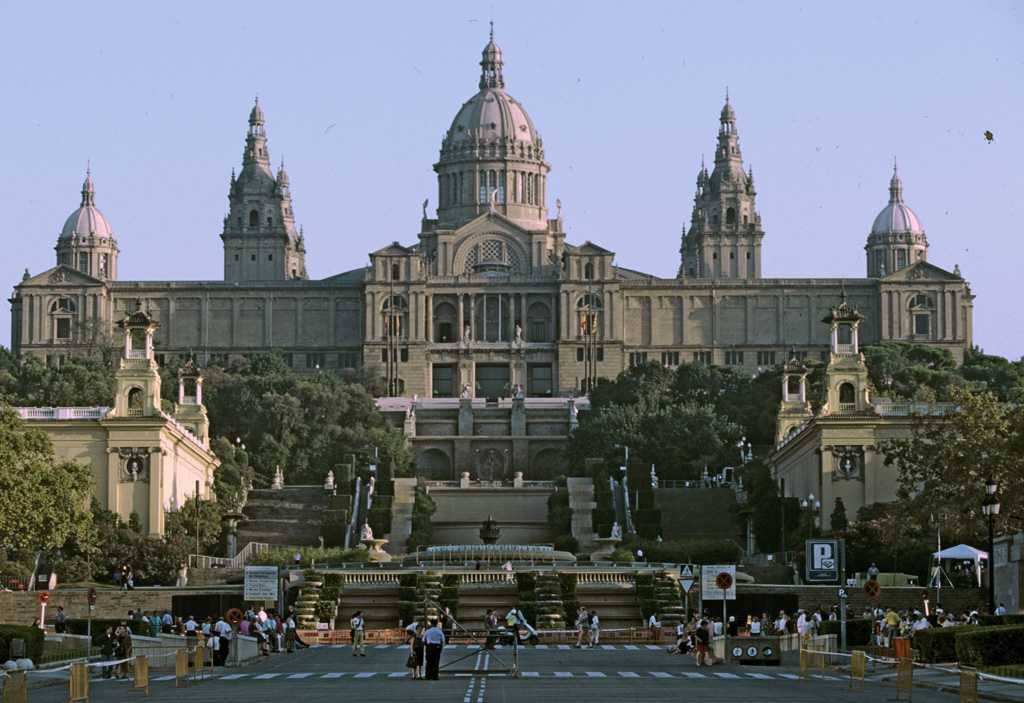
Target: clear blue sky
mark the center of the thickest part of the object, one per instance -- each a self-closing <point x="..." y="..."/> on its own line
<point x="625" y="95"/>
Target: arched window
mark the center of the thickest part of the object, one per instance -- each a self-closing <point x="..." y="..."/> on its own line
<point x="492" y="183"/>
<point x="714" y="219"/>
<point x="62" y="310"/>
<point x="135" y="402"/>
<point x="745" y="220"/>
<point x="847" y="394"/>
<point x="394" y="311"/>
<point x="921" y="301"/>
<point x="501" y="187"/>
<point x="793" y="386"/>
<point x="588" y="271"/>
<point x="588" y="309"/>
<point x="254" y="218"/>
<point x="63" y="305"/>
<point x="730" y="216"/>
<point x="270" y="222"/>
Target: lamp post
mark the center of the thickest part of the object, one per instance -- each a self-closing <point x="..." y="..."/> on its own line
<point x="813" y="507"/>
<point x="990" y="508"/>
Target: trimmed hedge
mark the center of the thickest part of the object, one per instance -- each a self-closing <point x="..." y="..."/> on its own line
<point x="990" y="646"/>
<point x="32" y="636"/>
<point x="858" y="631"/>
<point x="993" y="620"/>
<point x="938" y="644"/>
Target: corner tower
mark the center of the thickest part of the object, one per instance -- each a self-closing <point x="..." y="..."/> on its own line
<point x="725" y="234"/>
<point x="492" y="157"/>
<point x="897" y="238"/>
<point x="261" y="242"/>
<point x="86" y="242"/>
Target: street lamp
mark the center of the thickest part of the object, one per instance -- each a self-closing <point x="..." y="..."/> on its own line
<point x="990" y="508"/>
<point x="813" y="507"/>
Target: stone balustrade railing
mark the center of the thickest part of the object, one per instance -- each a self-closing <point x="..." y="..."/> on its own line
<point x="67" y="413"/>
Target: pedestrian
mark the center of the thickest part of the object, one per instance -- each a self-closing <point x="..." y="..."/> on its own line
<point x="595" y="629"/>
<point x="298" y="558"/>
<point x="680" y="647"/>
<point x="582" y="627"/>
<point x="289" y="634"/>
<point x="123" y="649"/>
<point x="703" y="640"/>
<point x="357" y="625"/>
<point x="652" y="622"/>
<point x="448" y="621"/>
<point x="213" y="644"/>
<point x="491" y="625"/>
<point x="166" y="621"/>
<point x="60" y="626"/>
<point x="415" y="661"/>
<point x="225" y="634"/>
<point x="1000" y="610"/>
<point x="155" y="624"/>
<point x="433" y="642"/>
<point x="108" y="645"/>
<point x="732" y="629"/>
<point x="191" y="628"/>
<point x="755" y="627"/>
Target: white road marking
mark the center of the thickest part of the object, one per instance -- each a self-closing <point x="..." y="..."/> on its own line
<point x="563" y="674"/>
<point x="630" y="646"/>
<point x="661" y="675"/>
<point x="264" y="677"/>
<point x="726" y="675"/>
<point x="629" y="674"/>
<point x="365" y="674"/>
<point x="693" y="675"/>
<point x="791" y="677"/>
<point x="596" y="674"/>
<point x="299" y="676"/>
<point x="653" y="646"/>
<point x="529" y="674"/>
<point x="762" y="677"/>
<point x="334" y="675"/>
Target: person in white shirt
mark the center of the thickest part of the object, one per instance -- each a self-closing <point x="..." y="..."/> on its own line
<point x="719" y="628"/>
<point x="755" y="627"/>
<point x="190" y="627"/>
<point x="652" y="622"/>
<point x="222" y="631"/>
<point x="357" y="625"/>
<point x="1000" y="610"/>
<point x="802" y="626"/>
<point x="433" y="641"/>
<point x="680" y="647"/>
<point x="595" y="629"/>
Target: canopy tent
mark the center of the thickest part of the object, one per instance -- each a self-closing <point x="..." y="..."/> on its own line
<point x="964" y="552"/>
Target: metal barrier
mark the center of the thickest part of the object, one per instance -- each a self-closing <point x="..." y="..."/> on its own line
<point x="968" y="686"/>
<point x="78" y="683"/>
<point x="858" y="665"/>
<point x="180" y="667"/>
<point x="16" y="688"/>
<point x="905" y="678"/>
<point x="812" y="656"/>
<point x="199" y="663"/>
<point x="140" y="679"/>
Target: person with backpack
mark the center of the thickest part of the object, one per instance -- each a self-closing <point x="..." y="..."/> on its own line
<point x="357" y="625"/>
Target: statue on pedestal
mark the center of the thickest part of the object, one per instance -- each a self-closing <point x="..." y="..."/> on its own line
<point x="329" y="483"/>
<point x="616" y="531"/>
<point x="278" y="482"/>
<point x="366" y="533"/>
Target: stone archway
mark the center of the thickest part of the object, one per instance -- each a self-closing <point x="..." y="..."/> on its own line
<point x="434" y="464"/>
<point x="546" y="464"/>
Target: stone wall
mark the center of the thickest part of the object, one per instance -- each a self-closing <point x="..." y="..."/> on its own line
<point x="21" y="608"/>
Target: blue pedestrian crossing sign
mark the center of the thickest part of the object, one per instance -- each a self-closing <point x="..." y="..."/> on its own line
<point x="688" y="574"/>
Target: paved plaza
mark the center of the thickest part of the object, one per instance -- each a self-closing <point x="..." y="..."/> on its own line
<point x="554" y="672"/>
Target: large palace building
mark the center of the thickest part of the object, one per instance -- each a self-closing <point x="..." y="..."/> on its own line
<point x="490" y="296"/>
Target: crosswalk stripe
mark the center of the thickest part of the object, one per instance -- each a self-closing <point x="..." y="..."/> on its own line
<point x="791" y="677"/>
<point x="333" y="646"/>
<point x="264" y="677"/>
<point x="726" y="675"/>
<point x="763" y="677"/>
<point x="653" y="646"/>
<point x="229" y="677"/>
<point x="386" y="646"/>
<point x="564" y="646"/>
<point x="629" y="674"/>
<point x="530" y="674"/>
<point x="541" y="646"/>
<point x="168" y="678"/>
<point x="596" y="674"/>
<point x="365" y="674"/>
<point x="303" y="675"/>
<point x="398" y="675"/>
<point x="630" y="646"/>
<point x="563" y="674"/>
<point x="334" y="675"/>
<point x="693" y="675"/>
<point x="607" y="646"/>
<point x="661" y="675"/>
<point x="826" y="678"/>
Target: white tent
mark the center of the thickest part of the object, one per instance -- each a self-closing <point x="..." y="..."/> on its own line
<point x="963" y="552"/>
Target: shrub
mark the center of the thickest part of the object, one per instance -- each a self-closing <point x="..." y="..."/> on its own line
<point x="329" y="555"/>
<point x="991" y="620"/>
<point x="326" y="610"/>
<point x="566" y="543"/>
<point x="990" y="646"/>
<point x="407" y="581"/>
<point x="333" y="581"/>
<point x="937" y="644"/>
<point x="32" y="636"/>
<point x="526" y="581"/>
<point x="331" y="594"/>
<point x="858" y="632"/>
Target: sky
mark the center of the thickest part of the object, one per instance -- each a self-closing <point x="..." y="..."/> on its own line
<point x="626" y="96"/>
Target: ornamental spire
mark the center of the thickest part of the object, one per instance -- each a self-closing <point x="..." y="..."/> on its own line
<point x="895" y="185"/>
<point x="490" y="64"/>
<point x="88" y="191"/>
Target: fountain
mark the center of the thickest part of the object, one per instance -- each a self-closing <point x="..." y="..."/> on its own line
<point x="374" y="546"/>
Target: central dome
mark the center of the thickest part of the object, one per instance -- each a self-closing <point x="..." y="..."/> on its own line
<point x="492" y="115"/>
<point x="87" y="220"/>
<point x="896" y="217"/>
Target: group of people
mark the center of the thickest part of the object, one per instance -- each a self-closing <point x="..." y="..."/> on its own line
<point x="426" y="642"/>
<point x="588" y="626"/>
<point x="116" y="645"/>
<point x="890" y="623"/>
<point x="272" y="631"/>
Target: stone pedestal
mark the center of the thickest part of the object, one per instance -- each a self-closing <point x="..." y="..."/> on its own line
<point x="375" y="548"/>
<point x="464" y="480"/>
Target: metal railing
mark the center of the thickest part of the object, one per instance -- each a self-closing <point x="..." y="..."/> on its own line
<point x="63" y="413"/>
<point x="889" y="408"/>
<point x="199" y="561"/>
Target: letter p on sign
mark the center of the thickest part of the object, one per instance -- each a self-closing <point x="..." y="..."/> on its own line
<point x="823" y="557"/>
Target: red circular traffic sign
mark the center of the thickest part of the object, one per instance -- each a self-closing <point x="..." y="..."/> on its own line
<point x="44" y="598"/>
<point x="724" y="580"/>
<point x="872" y="588"/>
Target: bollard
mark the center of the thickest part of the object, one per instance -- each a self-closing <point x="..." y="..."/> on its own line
<point x="16" y="688"/>
<point x="905" y="678"/>
<point x="858" y="665"/>
<point x="140" y="680"/>
<point x="199" y="663"/>
<point x="180" y="667"/>
<point x="805" y="658"/>
<point x="78" y="683"/>
<point x="968" y="686"/>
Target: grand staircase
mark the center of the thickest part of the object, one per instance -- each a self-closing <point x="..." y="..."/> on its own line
<point x="290" y="516"/>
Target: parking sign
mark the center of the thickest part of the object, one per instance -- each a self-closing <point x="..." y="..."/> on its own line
<point x="824" y="560"/>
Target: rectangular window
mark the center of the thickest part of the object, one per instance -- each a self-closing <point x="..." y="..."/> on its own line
<point x="83" y="262"/>
<point x="63" y="328"/>
<point x="444" y="332"/>
<point x="600" y="353"/>
<point x="670" y="358"/>
<point x="637" y="359"/>
<point x="824" y="356"/>
<point x="443" y="376"/>
<point x="922" y="325"/>
<point x="289" y="360"/>
<point x="348" y="360"/>
<point x="702" y="357"/>
<point x="315" y="361"/>
<point x="766" y="358"/>
<point x="901" y="259"/>
<point x="404" y="354"/>
<point x="270" y="257"/>
<point x="538" y="330"/>
<point x="733" y="358"/>
<point x="539" y="380"/>
<point x="252" y="257"/>
<point x="579" y="353"/>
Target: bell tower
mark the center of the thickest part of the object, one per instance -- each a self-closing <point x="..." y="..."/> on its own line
<point x="190" y="410"/>
<point x="725" y="234"/>
<point x="847" y="375"/>
<point x="794" y="409"/>
<point x="137" y="377"/>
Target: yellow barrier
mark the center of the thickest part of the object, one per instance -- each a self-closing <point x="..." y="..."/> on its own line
<point x="140" y="681"/>
<point x="78" y="688"/>
<point x="968" y="686"/>
<point x="16" y="688"/>
<point x="199" y="662"/>
<point x="905" y="678"/>
<point x="180" y="667"/>
<point x="858" y="665"/>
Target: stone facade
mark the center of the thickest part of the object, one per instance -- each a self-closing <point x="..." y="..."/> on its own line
<point x="491" y="296"/>
<point x="836" y="452"/>
<point x="144" y="461"/>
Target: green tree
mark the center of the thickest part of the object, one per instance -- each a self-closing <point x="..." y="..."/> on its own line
<point x="180" y="525"/>
<point x="943" y="465"/>
<point x="81" y="381"/>
<point x="838" y="519"/>
<point x="43" y="501"/>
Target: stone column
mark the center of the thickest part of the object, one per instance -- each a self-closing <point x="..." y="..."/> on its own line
<point x="428" y="317"/>
<point x="156" y="493"/>
<point x="460" y="323"/>
<point x="472" y="318"/>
